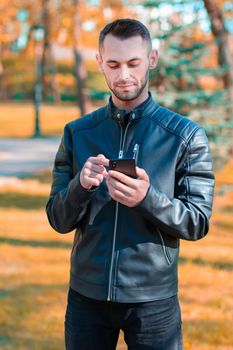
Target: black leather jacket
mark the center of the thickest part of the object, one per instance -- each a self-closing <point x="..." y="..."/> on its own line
<point x="130" y="254"/>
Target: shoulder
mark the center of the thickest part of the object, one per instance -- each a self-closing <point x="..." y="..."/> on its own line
<point x="88" y="121"/>
<point x="174" y="123"/>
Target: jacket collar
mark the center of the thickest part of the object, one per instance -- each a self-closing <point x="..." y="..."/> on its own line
<point x="138" y="112"/>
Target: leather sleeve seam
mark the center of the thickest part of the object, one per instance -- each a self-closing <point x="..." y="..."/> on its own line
<point x="77" y="129"/>
<point x="186" y="140"/>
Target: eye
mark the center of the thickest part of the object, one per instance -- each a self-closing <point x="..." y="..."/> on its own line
<point x="134" y="63"/>
<point x="113" y="65"/>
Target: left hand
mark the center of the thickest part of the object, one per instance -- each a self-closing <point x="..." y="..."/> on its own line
<point x="127" y="190"/>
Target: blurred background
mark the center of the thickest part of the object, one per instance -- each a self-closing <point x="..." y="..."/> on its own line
<point x="48" y="76"/>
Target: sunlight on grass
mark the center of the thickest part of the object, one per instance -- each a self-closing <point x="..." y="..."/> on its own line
<point x="34" y="273"/>
<point x="52" y="118"/>
<point x="22" y="200"/>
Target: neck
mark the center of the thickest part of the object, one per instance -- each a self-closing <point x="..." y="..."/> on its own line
<point x="129" y="105"/>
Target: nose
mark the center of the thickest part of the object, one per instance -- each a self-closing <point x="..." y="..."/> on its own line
<point x="124" y="72"/>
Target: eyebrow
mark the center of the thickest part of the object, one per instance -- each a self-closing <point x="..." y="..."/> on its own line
<point x="132" y="59"/>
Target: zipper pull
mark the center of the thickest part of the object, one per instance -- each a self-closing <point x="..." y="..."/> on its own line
<point x="120" y="156"/>
<point x="135" y="152"/>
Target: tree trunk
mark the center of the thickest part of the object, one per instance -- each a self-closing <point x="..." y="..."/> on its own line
<point x="3" y="90"/>
<point x="79" y="67"/>
<point x="1" y="81"/>
<point x="49" y="81"/>
<point x="223" y="41"/>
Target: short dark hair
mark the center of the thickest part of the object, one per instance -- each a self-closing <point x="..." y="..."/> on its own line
<point x="125" y="28"/>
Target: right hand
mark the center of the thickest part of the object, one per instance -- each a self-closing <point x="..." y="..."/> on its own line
<point x="93" y="171"/>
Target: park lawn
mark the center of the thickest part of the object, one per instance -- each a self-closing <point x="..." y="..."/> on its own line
<point x="17" y="119"/>
<point x="34" y="271"/>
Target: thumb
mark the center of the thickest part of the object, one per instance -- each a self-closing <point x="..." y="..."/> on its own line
<point x="105" y="161"/>
<point x="141" y="173"/>
<point x="101" y="156"/>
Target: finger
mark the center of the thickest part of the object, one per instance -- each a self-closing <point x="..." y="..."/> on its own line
<point x="96" y="176"/>
<point x="99" y="160"/>
<point x="88" y="182"/>
<point x="91" y="169"/>
<point x="95" y="167"/>
<point x="127" y="180"/>
<point x="90" y="173"/>
<point x="119" y="186"/>
<point x="104" y="173"/>
<point x="99" y="178"/>
<point x="100" y="155"/>
<point x="141" y="173"/>
<point x="104" y="159"/>
<point x="93" y="182"/>
<point x="117" y="195"/>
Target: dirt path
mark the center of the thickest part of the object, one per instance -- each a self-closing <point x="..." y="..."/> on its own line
<point x="21" y="157"/>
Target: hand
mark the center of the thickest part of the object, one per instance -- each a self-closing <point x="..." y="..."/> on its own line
<point x="93" y="171"/>
<point x="125" y="189"/>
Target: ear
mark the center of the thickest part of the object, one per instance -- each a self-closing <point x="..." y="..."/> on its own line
<point x="153" y="59"/>
<point x="99" y="61"/>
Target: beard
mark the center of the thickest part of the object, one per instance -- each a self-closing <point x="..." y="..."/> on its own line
<point x="133" y="93"/>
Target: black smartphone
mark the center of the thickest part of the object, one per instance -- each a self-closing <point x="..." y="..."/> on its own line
<point x="125" y="166"/>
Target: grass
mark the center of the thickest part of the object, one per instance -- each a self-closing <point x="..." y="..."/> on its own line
<point x="52" y="119"/>
<point x="22" y="200"/>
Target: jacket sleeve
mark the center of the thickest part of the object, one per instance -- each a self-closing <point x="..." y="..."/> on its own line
<point x="68" y="200"/>
<point x="187" y="215"/>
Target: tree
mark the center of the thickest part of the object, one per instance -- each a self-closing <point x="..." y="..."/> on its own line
<point x="9" y="31"/>
<point x="79" y="67"/>
<point x="82" y="40"/>
<point x="48" y="62"/>
<point x="222" y="37"/>
<point x="192" y="65"/>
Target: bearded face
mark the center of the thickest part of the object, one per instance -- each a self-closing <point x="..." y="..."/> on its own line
<point x="125" y="65"/>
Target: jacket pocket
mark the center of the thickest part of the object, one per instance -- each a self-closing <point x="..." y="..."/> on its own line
<point x="165" y="249"/>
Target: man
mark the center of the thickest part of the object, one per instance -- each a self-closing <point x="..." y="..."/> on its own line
<point x="124" y="257"/>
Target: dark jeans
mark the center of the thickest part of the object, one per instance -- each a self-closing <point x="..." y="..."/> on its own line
<point x="95" y="325"/>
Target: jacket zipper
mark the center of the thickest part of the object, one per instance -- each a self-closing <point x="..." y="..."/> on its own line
<point x="135" y="152"/>
<point x="120" y="155"/>
<point x="167" y="257"/>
